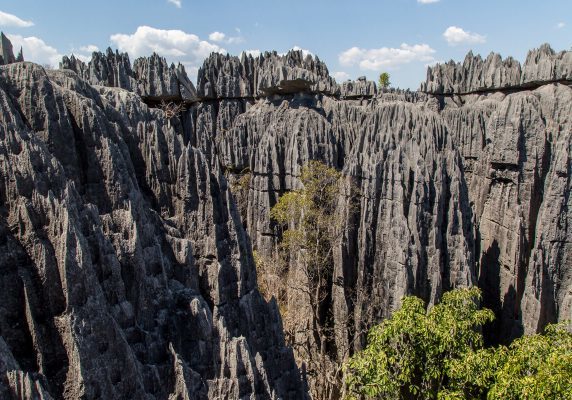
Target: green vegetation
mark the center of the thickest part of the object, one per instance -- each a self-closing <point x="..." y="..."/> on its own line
<point x="311" y="231"/>
<point x="536" y="367"/>
<point x="384" y="80"/>
<point x="418" y="353"/>
<point x="439" y="354"/>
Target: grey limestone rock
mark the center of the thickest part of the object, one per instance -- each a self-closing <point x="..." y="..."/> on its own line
<point x="545" y="65"/>
<point x="126" y="272"/>
<point x="358" y="89"/>
<point x="542" y="66"/>
<point x="516" y="151"/>
<point x="7" y="52"/>
<point x="150" y="77"/>
<point x="473" y="75"/>
<point x="126" y="256"/>
<point x="225" y="76"/>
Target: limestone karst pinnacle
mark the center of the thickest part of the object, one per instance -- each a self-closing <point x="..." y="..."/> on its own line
<point x="7" y="52"/>
<point x="126" y="264"/>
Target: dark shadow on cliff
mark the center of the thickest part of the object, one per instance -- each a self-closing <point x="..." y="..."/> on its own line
<point x="489" y="282"/>
<point x="507" y="324"/>
<point x="22" y="296"/>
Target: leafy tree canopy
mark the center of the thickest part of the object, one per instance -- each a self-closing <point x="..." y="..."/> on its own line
<point x="439" y="354"/>
<point x="384" y="80"/>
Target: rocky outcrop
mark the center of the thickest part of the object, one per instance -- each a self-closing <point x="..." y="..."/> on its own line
<point x="127" y="267"/>
<point x="7" y="52"/>
<point x="150" y="77"/>
<point x="452" y="185"/>
<point x="516" y="151"/>
<point x="361" y="88"/>
<point x="221" y="77"/>
<point x="542" y="66"/>
<point x="473" y="75"/>
<point x="230" y="77"/>
<point x="225" y="76"/>
<point x="126" y="272"/>
<point x="545" y="65"/>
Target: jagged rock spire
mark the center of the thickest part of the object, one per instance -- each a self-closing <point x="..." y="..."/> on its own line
<point x="20" y="57"/>
<point x="6" y="51"/>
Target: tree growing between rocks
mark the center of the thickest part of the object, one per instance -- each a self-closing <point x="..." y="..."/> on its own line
<point x="384" y="80"/>
<point x="171" y="109"/>
<point x="311" y="232"/>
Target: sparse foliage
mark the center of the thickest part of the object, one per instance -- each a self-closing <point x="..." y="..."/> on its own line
<point x="311" y="232"/>
<point x="171" y="109"/>
<point x="384" y="82"/>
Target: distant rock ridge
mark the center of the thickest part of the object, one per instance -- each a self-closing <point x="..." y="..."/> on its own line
<point x="150" y="77"/>
<point x="225" y="76"/>
<point x="220" y="77"/>
<point x="542" y="65"/>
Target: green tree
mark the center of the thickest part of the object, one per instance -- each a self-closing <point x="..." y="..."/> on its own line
<point x="384" y="80"/>
<point x="535" y="367"/>
<point x="408" y="356"/>
<point x="311" y="231"/>
<point x="439" y="354"/>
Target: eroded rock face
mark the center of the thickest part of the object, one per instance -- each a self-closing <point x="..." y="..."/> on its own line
<point x="516" y="151"/>
<point x="7" y="52"/>
<point x="467" y="184"/>
<point x="127" y="266"/>
<point x="361" y="88"/>
<point x="126" y="272"/>
<point x="230" y="77"/>
<point x="542" y="66"/>
<point x="516" y="147"/>
<point x="150" y="77"/>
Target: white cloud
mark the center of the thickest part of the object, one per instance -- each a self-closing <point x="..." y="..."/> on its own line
<point x="174" y="45"/>
<point x="36" y="50"/>
<point x="455" y="35"/>
<point x="222" y="38"/>
<point x="341" y="76"/>
<point x="12" y="20"/>
<point x="386" y="57"/>
<point x="560" y="25"/>
<point x="167" y="43"/>
<point x="253" y="52"/>
<point x="427" y="1"/>
<point x="90" y="48"/>
<point x="177" y="3"/>
<point x="217" y="36"/>
<point x="235" y="40"/>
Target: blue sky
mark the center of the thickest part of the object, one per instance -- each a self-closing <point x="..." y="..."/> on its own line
<point x="353" y="38"/>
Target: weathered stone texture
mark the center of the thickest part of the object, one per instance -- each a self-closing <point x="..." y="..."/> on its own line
<point x="150" y="77"/>
<point x="542" y="65"/>
<point x="125" y="270"/>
